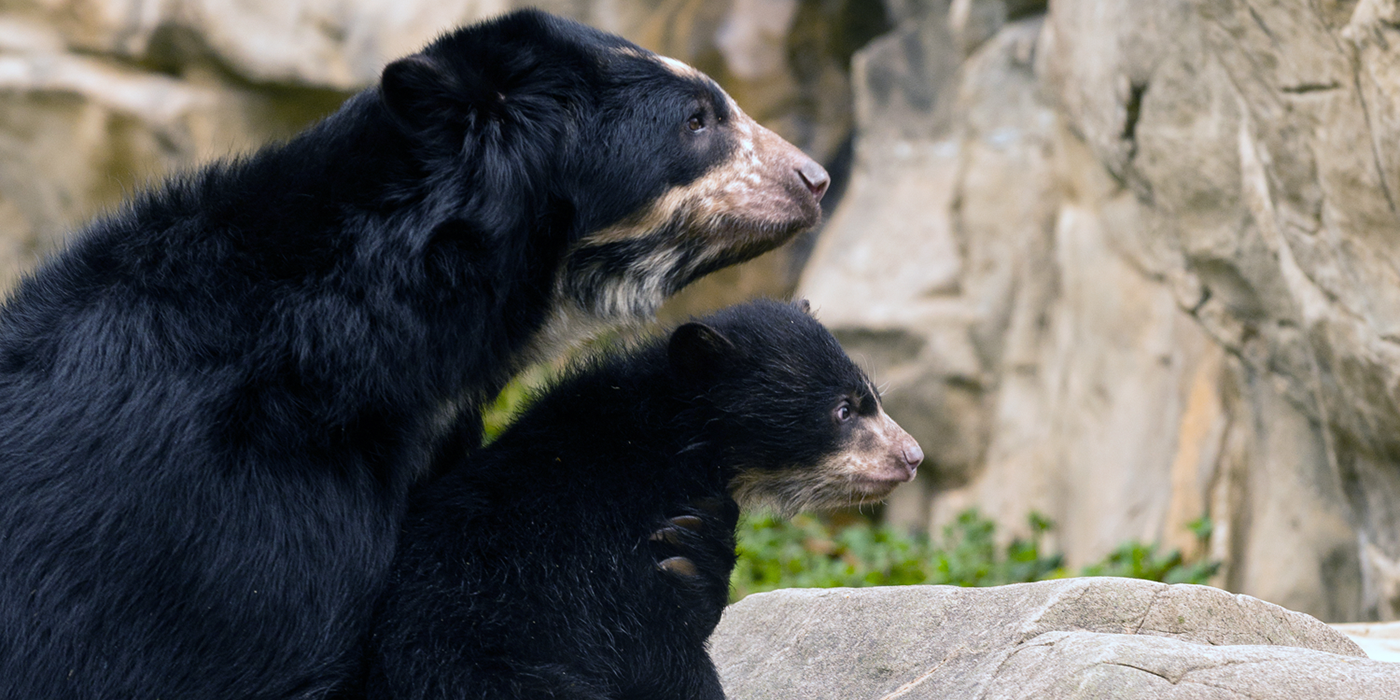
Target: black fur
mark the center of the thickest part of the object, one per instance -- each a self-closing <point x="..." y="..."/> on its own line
<point x="213" y="402"/>
<point x="531" y="570"/>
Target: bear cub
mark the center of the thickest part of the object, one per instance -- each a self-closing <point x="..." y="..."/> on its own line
<point x="586" y="553"/>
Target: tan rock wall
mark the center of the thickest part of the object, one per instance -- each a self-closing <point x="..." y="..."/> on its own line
<point x="1165" y="279"/>
<point x="81" y="131"/>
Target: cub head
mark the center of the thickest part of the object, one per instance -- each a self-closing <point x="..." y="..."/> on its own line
<point x="802" y="426"/>
<point x="634" y="172"/>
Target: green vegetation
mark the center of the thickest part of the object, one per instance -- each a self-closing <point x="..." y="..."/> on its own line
<point x="807" y="552"/>
<point x="509" y="403"/>
<point x="1135" y="560"/>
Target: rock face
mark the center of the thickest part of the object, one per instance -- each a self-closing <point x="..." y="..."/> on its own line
<point x="1073" y="638"/>
<point x="1130" y="264"/>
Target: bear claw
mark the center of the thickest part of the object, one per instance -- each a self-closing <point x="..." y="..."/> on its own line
<point x="671" y="533"/>
<point x="679" y="566"/>
<point x="689" y="522"/>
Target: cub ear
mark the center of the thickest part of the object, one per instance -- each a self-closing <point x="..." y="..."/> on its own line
<point x="697" y="351"/>
<point x="803" y="305"/>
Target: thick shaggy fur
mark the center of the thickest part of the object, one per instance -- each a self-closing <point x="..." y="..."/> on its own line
<point x="213" y="403"/>
<point x="546" y="565"/>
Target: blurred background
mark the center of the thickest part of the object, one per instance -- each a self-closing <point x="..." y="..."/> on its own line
<point x="1127" y="269"/>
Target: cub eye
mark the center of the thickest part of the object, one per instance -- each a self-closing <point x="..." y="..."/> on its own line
<point x="695" y="123"/>
<point x="843" y="412"/>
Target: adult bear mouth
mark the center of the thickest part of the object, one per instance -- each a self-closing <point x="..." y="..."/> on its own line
<point x="630" y="276"/>
<point x="629" y="269"/>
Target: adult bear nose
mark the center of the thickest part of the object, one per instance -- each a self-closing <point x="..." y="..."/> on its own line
<point x="814" y="176"/>
<point x="911" y="452"/>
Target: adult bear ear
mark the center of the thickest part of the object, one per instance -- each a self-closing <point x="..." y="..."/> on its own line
<point x="414" y="87"/>
<point x="697" y="351"/>
<point x="424" y="94"/>
<point x="803" y="305"/>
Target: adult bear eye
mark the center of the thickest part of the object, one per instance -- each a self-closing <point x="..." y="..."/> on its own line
<point x="695" y="123"/>
<point x="843" y="412"/>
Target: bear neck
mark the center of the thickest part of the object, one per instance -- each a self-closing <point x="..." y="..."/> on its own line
<point x="351" y="316"/>
<point x="479" y="284"/>
<point x="633" y="407"/>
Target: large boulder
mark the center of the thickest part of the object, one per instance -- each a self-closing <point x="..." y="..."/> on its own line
<point x="1132" y="264"/>
<point x="1073" y="638"/>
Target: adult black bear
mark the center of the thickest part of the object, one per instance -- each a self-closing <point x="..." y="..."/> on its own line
<point x="531" y="571"/>
<point x="214" y="401"/>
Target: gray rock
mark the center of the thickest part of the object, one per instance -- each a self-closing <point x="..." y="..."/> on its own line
<point x="1073" y="638"/>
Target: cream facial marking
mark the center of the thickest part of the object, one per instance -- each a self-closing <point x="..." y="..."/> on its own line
<point x="878" y="457"/>
<point x="681" y="68"/>
<point x="786" y="492"/>
<point x="633" y="52"/>
<point x="567" y="326"/>
<point x="638" y="292"/>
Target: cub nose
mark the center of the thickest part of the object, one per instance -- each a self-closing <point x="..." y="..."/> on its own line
<point x="814" y="176"/>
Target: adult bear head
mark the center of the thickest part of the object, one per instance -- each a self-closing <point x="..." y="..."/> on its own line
<point x="637" y="172"/>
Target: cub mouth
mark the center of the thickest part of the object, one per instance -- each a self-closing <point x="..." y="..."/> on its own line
<point x="869" y="489"/>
